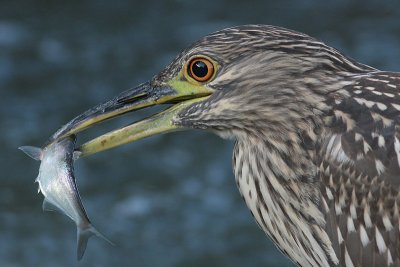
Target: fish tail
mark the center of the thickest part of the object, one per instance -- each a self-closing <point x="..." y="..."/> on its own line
<point x="31" y="151"/>
<point x="83" y="236"/>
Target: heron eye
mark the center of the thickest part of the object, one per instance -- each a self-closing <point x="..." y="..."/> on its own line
<point x="201" y="69"/>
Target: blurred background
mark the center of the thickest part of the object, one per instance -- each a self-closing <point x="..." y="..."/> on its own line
<point x="168" y="200"/>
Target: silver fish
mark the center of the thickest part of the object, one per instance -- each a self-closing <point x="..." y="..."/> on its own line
<point x="57" y="183"/>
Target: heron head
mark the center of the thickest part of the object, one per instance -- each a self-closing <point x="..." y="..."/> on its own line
<point x="238" y="81"/>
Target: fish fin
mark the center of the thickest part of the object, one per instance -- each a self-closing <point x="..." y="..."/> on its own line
<point x="31" y="151"/>
<point x="83" y="236"/>
<point x="48" y="206"/>
<point x="76" y="155"/>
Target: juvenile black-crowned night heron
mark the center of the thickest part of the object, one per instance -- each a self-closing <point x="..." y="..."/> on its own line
<point x="317" y="149"/>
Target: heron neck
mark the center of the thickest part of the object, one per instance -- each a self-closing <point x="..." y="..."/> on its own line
<point x="284" y="203"/>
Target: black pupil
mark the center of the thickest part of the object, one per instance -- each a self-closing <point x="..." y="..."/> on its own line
<point x="200" y="69"/>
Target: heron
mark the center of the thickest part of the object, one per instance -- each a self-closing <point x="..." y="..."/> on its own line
<point x="317" y="141"/>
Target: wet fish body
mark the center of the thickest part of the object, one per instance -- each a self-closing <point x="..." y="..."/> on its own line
<point x="57" y="184"/>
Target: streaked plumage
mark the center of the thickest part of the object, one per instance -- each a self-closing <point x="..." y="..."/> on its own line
<point x="318" y="151"/>
<point x="317" y="154"/>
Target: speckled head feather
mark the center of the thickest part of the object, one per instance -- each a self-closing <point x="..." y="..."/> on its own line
<point x="317" y="150"/>
<point x="270" y="63"/>
<point x="227" y="45"/>
<point x="259" y="61"/>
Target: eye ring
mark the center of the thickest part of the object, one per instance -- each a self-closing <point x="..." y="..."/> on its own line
<point x="201" y="69"/>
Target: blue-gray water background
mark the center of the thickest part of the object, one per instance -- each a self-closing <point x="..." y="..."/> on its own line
<point x="168" y="200"/>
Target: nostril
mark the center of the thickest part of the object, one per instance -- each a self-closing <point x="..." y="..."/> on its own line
<point x="132" y="99"/>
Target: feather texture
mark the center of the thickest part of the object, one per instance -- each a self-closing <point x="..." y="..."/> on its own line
<point x="317" y="154"/>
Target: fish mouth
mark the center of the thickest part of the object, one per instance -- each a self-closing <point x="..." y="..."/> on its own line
<point x="143" y="96"/>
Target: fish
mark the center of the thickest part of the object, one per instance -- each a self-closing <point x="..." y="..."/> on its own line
<point x="57" y="183"/>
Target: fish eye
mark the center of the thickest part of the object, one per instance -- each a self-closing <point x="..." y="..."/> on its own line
<point x="200" y="69"/>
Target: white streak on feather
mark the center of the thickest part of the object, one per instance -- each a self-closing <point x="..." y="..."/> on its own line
<point x="389" y="258"/>
<point x="387" y="223"/>
<point x="377" y="92"/>
<point x="245" y="171"/>
<point x="381" y="141"/>
<point x="367" y="218"/>
<point x="396" y="210"/>
<point x="366" y="147"/>
<point x="360" y="156"/>
<point x="347" y="259"/>
<point x="396" y="106"/>
<point x="340" y="237"/>
<point x="326" y="207"/>
<point x="375" y="80"/>
<point x="397" y="149"/>
<point x="363" y="236"/>
<point x="353" y="211"/>
<point x="389" y="94"/>
<point x="350" y="225"/>
<point x="331" y="183"/>
<point x="330" y="143"/>
<point x="336" y="152"/>
<point x="380" y="168"/>
<point x="329" y="193"/>
<point x="381" y="106"/>
<point x="338" y="209"/>
<point x="380" y="242"/>
<point x="365" y="102"/>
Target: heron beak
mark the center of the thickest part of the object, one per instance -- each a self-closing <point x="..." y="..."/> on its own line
<point x="145" y="95"/>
